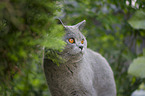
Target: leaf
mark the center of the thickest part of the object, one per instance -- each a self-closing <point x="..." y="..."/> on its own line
<point x="137" y="68"/>
<point x="137" y="21"/>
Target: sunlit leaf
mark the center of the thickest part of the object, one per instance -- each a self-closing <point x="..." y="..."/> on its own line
<point x="137" y="21"/>
<point x="137" y="68"/>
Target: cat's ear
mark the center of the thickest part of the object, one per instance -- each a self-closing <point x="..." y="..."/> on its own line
<point x="61" y="22"/>
<point x="81" y="25"/>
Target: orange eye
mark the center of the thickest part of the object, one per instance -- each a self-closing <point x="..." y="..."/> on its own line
<point x="82" y="41"/>
<point x="71" y="40"/>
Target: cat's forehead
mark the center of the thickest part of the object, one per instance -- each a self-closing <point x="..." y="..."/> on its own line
<point x="74" y="31"/>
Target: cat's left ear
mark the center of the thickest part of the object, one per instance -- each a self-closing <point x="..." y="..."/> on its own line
<point x="81" y="25"/>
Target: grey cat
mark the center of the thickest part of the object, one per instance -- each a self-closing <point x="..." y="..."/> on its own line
<point x="83" y="73"/>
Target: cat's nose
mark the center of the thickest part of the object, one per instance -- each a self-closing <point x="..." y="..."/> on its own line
<point x="81" y="47"/>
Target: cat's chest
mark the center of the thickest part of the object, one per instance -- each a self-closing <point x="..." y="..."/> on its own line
<point x="86" y="73"/>
<point x="73" y="77"/>
<point x="82" y="69"/>
<point x="80" y="72"/>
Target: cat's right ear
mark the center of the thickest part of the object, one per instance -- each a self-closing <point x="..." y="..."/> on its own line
<point x="61" y="22"/>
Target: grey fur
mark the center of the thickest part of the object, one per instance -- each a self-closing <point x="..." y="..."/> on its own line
<point x="84" y="72"/>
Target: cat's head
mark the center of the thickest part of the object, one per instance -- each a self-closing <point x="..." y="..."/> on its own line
<point x="76" y="41"/>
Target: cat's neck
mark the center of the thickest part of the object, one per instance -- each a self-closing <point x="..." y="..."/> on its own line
<point x="68" y="58"/>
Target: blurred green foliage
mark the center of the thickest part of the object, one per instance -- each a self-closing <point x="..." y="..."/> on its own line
<point x="137" y="68"/>
<point x="28" y="25"/>
<point x="25" y="27"/>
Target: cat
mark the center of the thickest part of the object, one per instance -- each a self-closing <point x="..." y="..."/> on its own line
<point x="83" y="71"/>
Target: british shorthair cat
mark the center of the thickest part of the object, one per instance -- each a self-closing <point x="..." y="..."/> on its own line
<point x="84" y="72"/>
